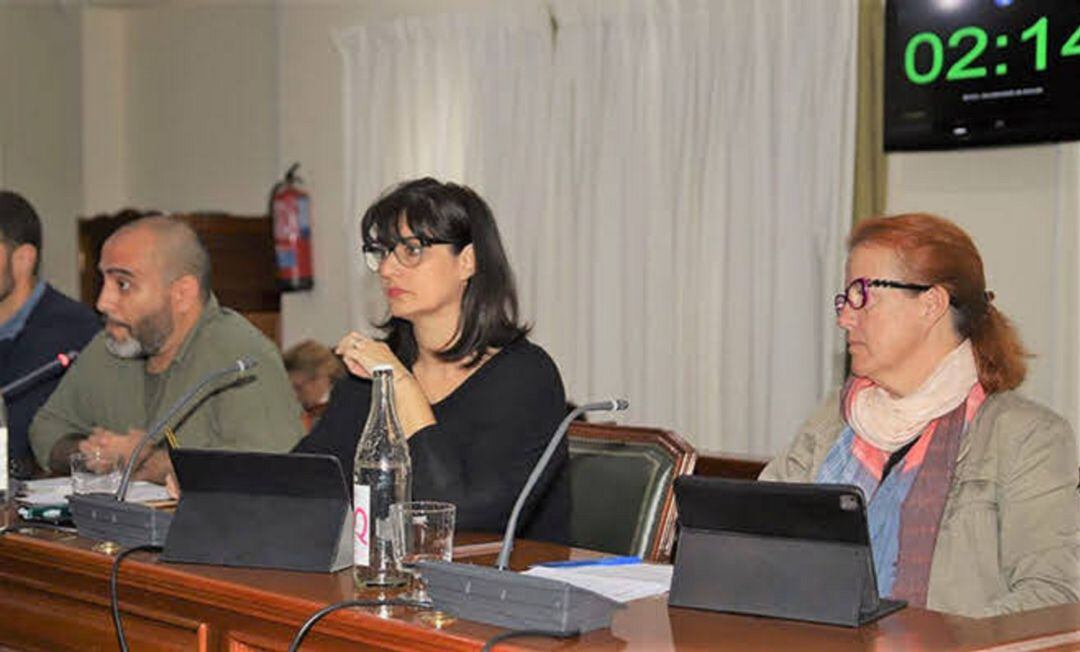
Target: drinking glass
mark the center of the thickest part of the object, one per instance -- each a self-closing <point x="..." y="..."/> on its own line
<point x="421" y="530"/>
<point x="96" y="472"/>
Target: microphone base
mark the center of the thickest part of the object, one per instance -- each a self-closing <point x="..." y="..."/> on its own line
<point x="103" y="518"/>
<point x="514" y="601"/>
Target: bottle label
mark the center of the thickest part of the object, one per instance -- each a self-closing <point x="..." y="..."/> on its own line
<point x="4" y="468"/>
<point x="361" y="525"/>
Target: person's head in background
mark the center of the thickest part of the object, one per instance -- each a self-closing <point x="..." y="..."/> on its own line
<point x="20" y="252"/>
<point x="915" y="290"/>
<point x="443" y="270"/>
<point x="313" y="369"/>
<point x="155" y="282"/>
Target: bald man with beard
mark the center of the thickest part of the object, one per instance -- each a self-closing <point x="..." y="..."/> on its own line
<point x="164" y="331"/>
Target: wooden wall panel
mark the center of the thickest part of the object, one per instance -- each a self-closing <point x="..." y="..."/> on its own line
<point x="241" y="256"/>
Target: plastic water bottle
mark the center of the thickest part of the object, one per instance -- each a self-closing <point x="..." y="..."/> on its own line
<point x="382" y="475"/>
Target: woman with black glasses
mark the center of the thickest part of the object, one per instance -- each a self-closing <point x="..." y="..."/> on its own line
<point x="972" y="490"/>
<point x="477" y="401"/>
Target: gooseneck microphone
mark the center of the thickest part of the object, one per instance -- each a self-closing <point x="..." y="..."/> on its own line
<point x="107" y="517"/>
<point x="61" y="361"/>
<point x="496" y="596"/>
<point x="612" y="405"/>
<point x="215" y="380"/>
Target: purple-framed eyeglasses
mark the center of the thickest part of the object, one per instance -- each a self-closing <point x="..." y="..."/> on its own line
<point x="858" y="290"/>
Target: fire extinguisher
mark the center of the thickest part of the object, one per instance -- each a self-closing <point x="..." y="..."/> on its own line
<point x="290" y="209"/>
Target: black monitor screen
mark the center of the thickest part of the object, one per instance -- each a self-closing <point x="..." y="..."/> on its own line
<point x="966" y="73"/>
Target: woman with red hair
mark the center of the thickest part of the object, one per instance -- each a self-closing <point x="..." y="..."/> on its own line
<point x="972" y="494"/>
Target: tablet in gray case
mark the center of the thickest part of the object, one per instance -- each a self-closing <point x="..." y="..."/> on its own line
<point x="261" y="510"/>
<point x="796" y="551"/>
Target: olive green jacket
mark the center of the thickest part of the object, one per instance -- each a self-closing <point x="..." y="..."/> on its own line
<point x="1009" y="538"/>
<point x="260" y="413"/>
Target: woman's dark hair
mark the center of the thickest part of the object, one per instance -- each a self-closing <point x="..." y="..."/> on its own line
<point x="937" y="252"/>
<point x="457" y="215"/>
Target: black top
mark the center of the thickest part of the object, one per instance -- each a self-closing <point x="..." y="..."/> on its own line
<point x="896" y="457"/>
<point x="56" y="325"/>
<point x="489" y="432"/>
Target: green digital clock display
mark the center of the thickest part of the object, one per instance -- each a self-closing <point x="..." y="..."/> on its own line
<point x="971" y="43"/>
<point x="981" y="72"/>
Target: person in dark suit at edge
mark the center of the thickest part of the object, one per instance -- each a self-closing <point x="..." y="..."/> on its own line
<point x="37" y="323"/>
<point x="478" y="402"/>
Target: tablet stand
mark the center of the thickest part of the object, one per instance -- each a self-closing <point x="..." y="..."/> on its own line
<point x="817" y="581"/>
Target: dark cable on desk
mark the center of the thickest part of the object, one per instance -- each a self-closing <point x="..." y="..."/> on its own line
<point x="318" y="615"/>
<point x="114" y="597"/>
<point x="522" y="633"/>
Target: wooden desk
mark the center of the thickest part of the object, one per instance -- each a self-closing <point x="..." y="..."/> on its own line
<point x="54" y="596"/>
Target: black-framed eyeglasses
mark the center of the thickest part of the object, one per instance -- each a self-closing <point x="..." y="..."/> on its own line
<point x="408" y="251"/>
<point x="858" y="290"/>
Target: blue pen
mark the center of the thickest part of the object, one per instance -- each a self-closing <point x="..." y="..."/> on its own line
<point x="601" y="561"/>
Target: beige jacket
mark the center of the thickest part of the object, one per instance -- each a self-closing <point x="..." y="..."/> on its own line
<point x="1009" y="538"/>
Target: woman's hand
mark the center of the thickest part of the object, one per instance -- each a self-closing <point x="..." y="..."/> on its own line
<point x="361" y="353"/>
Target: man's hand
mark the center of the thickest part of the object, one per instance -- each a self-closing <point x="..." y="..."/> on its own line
<point x="153" y="463"/>
<point x="107" y="442"/>
<point x="172" y="486"/>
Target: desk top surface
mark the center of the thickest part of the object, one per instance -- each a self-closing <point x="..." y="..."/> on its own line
<point x="290" y="597"/>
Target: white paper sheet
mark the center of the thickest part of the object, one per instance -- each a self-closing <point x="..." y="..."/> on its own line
<point x="623" y="582"/>
<point x="54" y="491"/>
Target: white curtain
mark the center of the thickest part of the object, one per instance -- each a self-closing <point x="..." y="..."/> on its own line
<point x="672" y="180"/>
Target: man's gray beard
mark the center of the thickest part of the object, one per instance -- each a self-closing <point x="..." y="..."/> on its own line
<point x="127" y="349"/>
<point x="145" y="338"/>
